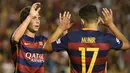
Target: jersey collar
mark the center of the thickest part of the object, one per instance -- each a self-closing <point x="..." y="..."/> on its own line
<point x="89" y="29"/>
<point x="26" y="37"/>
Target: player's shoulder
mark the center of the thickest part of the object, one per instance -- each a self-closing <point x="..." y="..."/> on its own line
<point x="86" y="32"/>
<point x="105" y="34"/>
<point x="40" y="37"/>
<point x="73" y="33"/>
<point x="108" y="35"/>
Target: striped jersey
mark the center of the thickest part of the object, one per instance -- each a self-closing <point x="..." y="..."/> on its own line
<point x="28" y="55"/>
<point x="88" y="49"/>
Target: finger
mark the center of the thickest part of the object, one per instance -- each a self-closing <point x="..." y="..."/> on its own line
<point x="70" y="25"/>
<point x="67" y="19"/>
<point x="36" y="4"/>
<point x="64" y="14"/>
<point x="68" y="22"/>
<point x="65" y="32"/>
<point x="67" y="15"/>
<point x="108" y="12"/>
<point x="64" y="18"/>
<point x="38" y="9"/>
<point x="105" y="11"/>
<point x="101" y="20"/>
<point x="104" y="15"/>
<point x="111" y="12"/>
<point x="60" y="16"/>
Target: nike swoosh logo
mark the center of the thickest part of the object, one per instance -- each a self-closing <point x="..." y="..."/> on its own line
<point x="26" y="43"/>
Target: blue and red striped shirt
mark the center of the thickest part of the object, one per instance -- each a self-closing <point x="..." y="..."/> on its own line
<point x="28" y="55"/>
<point x="87" y="49"/>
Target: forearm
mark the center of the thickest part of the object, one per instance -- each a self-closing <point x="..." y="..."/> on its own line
<point x="63" y="26"/>
<point x="117" y="33"/>
<point x="19" y="32"/>
<point x="108" y="21"/>
<point x="54" y="37"/>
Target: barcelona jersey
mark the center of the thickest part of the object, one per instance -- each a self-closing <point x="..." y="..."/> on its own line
<point x="88" y="49"/>
<point x="28" y="55"/>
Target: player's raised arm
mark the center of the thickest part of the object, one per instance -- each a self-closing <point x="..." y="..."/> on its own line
<point x="63" y="26"/>
<point x="19" y="32"/>
<point x="108" y="21"/>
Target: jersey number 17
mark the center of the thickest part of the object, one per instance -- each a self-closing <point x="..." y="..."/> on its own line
<point x="83" y="58"/>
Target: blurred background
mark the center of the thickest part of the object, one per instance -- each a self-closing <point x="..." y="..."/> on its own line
<point x="118" y="61"/>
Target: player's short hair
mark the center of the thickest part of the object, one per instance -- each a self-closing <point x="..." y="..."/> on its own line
<point x="89" y="12"/>
<point x="24" y="13"/>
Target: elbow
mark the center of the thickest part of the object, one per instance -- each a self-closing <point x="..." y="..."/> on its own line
<point x="15" y="38"/>
<point x="48" y="50"/>
<point x="126" y="46"/>
<point x="47" y="47"/>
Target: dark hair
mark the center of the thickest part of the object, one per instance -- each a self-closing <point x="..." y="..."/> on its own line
<point x="88" y="12"/>
<point x="24" y="13"/>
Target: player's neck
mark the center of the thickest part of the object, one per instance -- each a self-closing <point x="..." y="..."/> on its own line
<point x="30" y="34"/>
<point x="91" y="26"/>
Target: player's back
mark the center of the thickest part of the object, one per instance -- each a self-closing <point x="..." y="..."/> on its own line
<point x="88" y="51"/>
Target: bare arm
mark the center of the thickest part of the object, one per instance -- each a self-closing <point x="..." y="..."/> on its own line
<point x="19" y="32"/>
<point x="64" y="25"/>
<point x="108" y="21"/>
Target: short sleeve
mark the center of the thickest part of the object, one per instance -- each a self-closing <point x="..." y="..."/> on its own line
<point x="13" y="44"/>
<point x="61" y="43"/>
<point x="115" y="43"/>
<point x="44" y="38"/>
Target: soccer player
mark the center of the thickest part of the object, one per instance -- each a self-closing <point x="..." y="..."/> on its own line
<point x="28" y="55"/>
<point x="88" y="48"/>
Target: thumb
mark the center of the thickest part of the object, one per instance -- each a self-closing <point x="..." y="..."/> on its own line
<point x="70" y="25"/>
<point x="101" y="19"/>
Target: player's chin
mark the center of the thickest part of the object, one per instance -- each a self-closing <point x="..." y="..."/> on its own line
<point x="35" y="29"/>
